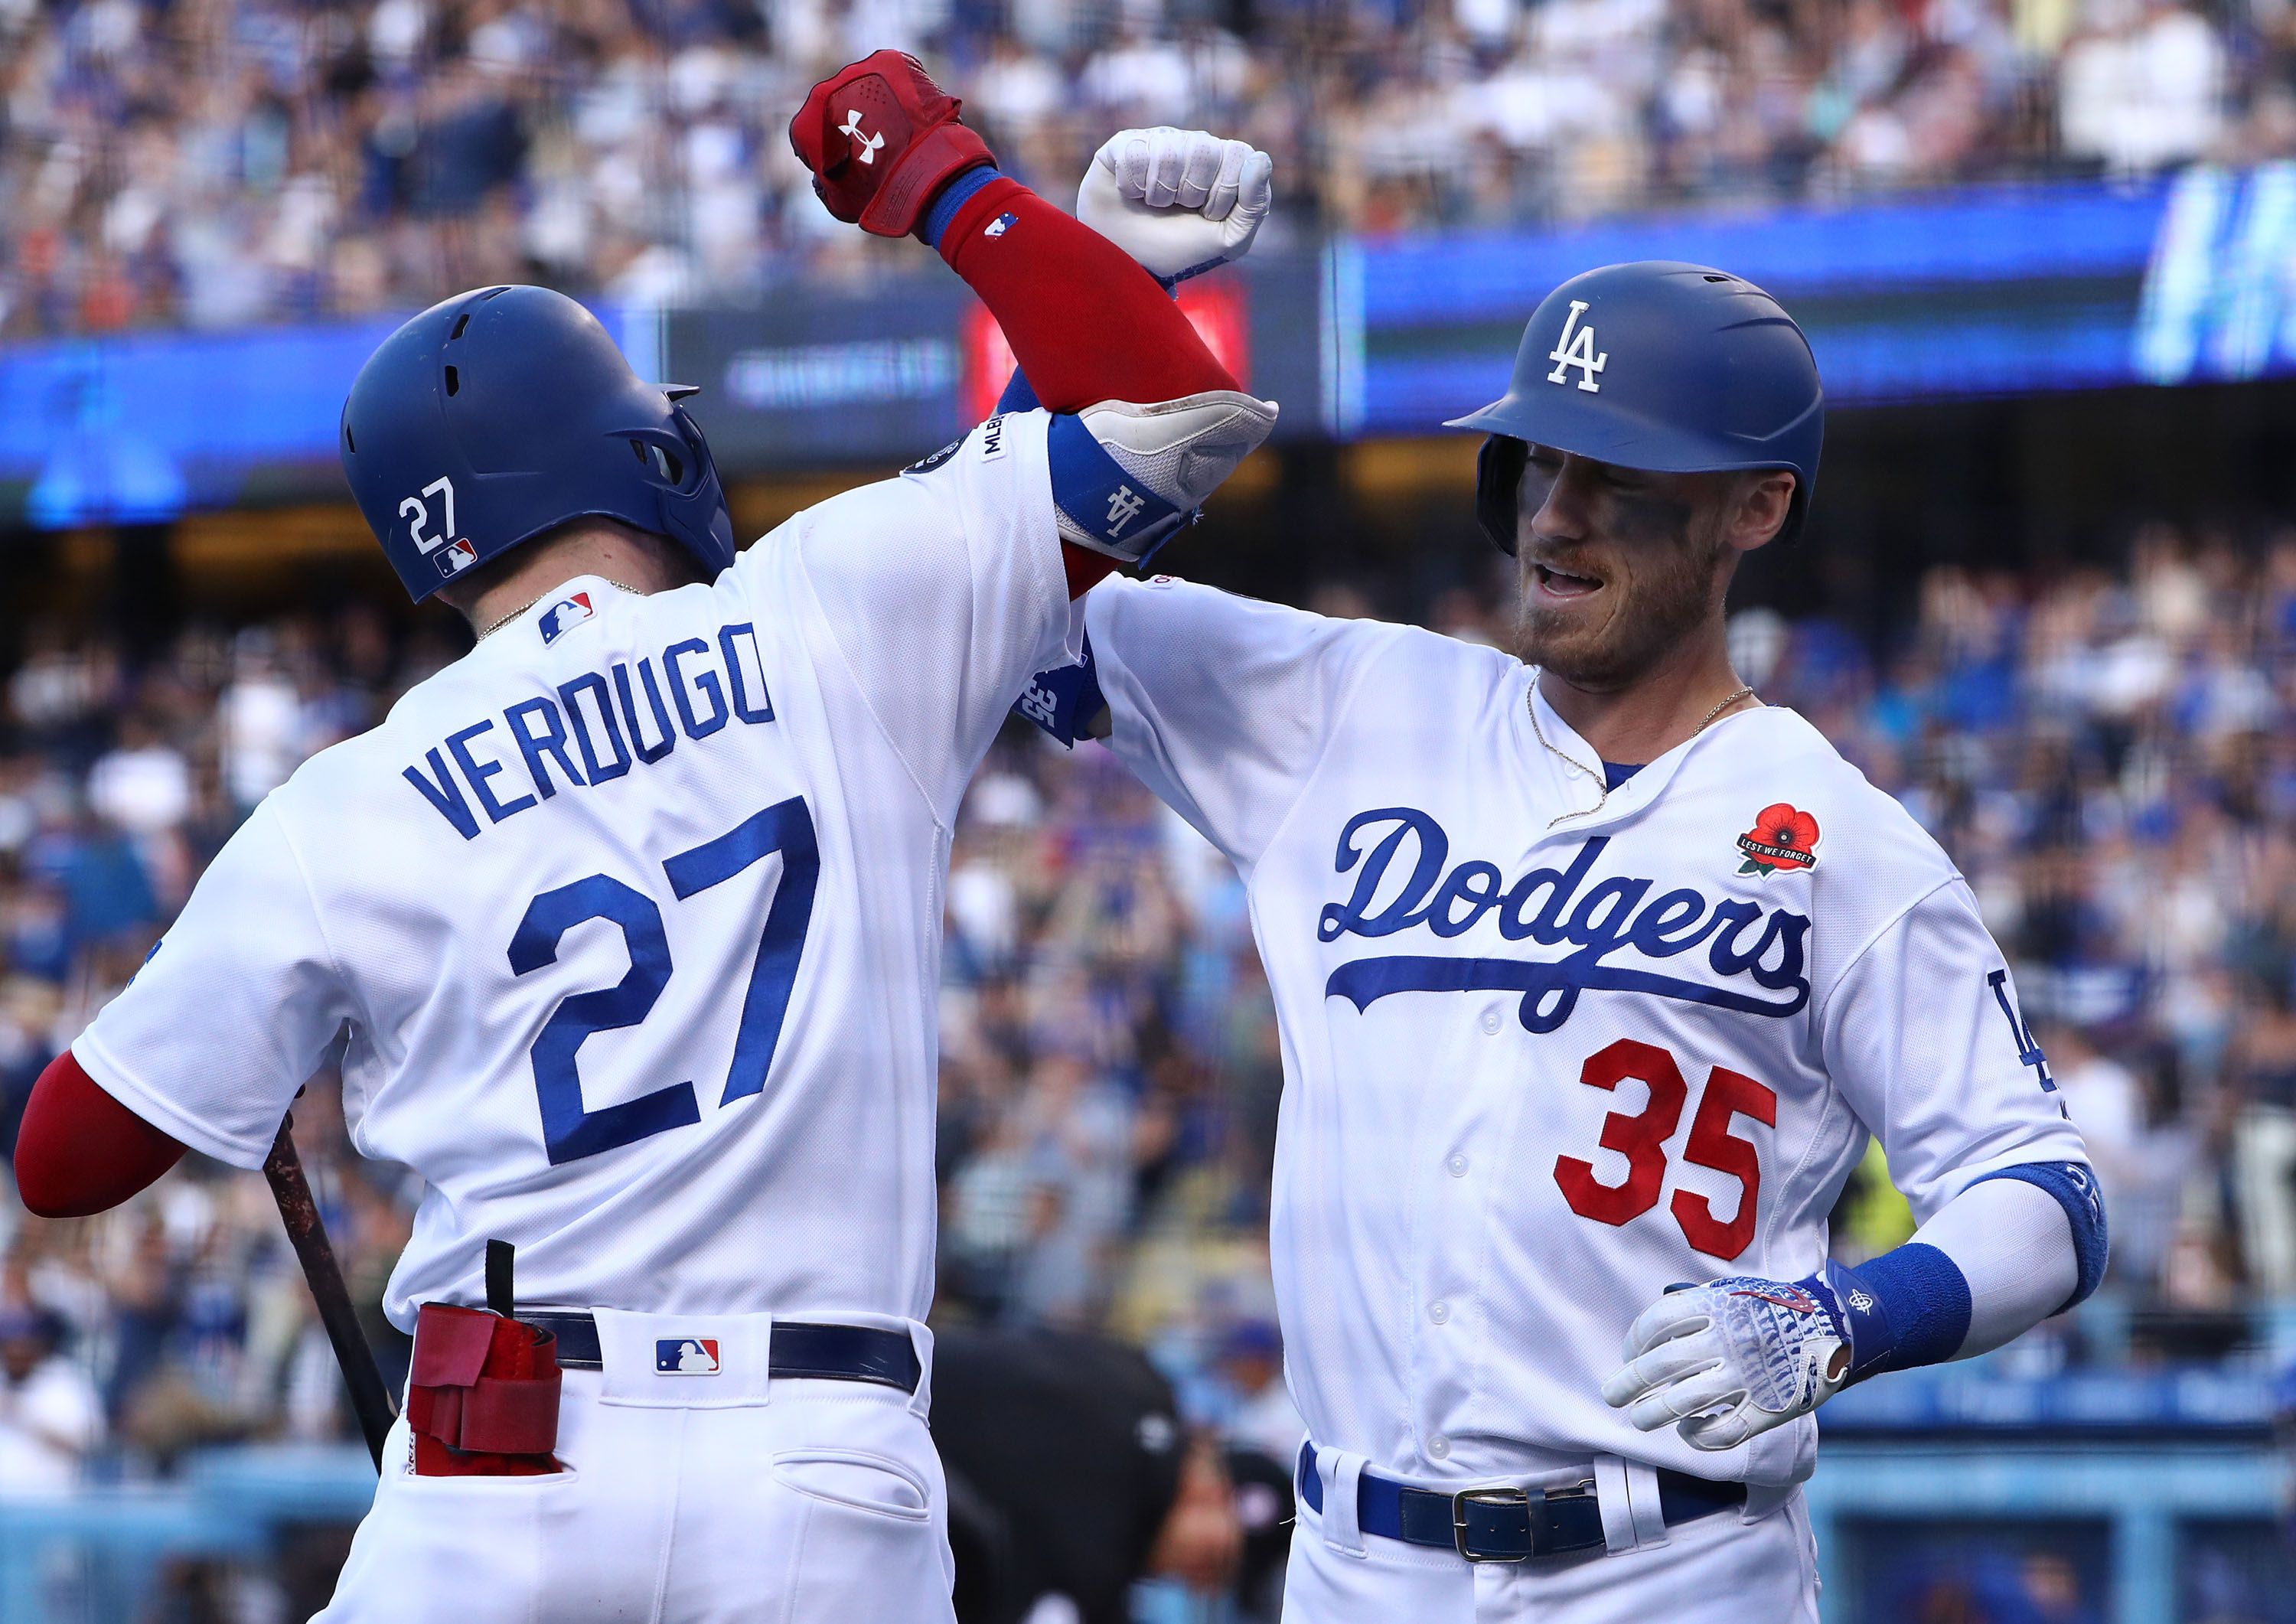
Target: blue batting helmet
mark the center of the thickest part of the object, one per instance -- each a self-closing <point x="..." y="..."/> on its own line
<point x="505" y="412"/>
<point x="1659" y="365"/>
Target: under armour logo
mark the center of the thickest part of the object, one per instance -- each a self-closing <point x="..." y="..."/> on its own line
<point x="1123" y="508"/>
<point x="851" y="130"/>
<point x="1575" y="348"/>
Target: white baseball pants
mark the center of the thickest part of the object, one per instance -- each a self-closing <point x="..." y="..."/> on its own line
<point x="1717" y="1569"/>
<point x="709" y="1499"/>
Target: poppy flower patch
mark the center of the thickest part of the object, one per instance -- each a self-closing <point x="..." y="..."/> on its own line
<point x="1782" y="837"/>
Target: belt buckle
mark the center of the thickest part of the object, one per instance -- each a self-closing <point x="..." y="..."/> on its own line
<point x="1483" y="1497"/>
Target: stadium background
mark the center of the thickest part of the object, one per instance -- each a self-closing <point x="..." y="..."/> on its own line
<point x="2046" y="251"/>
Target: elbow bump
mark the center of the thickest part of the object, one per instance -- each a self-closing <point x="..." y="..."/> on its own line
<point x="1184" y="448"/>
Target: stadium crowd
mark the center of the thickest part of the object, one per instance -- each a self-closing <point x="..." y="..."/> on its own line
<point x="220" y="162"/>
<point x="2110" y="757"/>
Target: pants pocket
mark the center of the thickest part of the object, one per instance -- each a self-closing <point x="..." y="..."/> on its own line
<point x="869" y="1542"/>
<point x="475" y="1549"/>
<point x="858" y="1480"/>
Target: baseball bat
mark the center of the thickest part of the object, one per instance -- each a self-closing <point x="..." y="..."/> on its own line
<point x="370" y="1398"/>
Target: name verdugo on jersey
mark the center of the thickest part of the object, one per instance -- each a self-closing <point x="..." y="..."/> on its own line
<point x="596" y="717"/>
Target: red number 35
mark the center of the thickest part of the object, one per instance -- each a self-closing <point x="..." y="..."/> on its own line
<point x="1641" y="1139"/>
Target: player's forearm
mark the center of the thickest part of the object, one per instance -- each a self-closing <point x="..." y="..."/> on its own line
<point x="1992" y="1263"/>
<point x="80" y="1150"/>
<point x="2015" y="1250"/>
<point x="1086" y="322"/>
<point x="1145" y="423"/>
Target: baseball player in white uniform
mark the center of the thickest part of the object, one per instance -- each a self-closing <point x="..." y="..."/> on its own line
<point x="1595" y="975"/>
<point x="626" y="924"/>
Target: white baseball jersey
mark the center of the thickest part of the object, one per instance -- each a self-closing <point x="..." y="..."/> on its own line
<point x="1542" y="1060"/>
<point x="632" y="916"/>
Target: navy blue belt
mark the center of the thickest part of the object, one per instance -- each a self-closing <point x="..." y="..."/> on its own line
<point x="833" y="1353"/>
<point x="1506" y="1524"/>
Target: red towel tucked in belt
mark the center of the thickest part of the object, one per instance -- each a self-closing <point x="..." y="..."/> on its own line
<point x="483" y="1398"/>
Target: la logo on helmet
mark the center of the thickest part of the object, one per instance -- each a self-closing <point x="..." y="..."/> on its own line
<point x="1575" y="348"/>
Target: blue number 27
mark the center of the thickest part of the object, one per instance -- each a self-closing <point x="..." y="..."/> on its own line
<point x="570" y="1132"/>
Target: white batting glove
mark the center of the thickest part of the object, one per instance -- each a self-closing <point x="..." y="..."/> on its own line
<point x="1179" y="202"/>
<point x="1724" y="1362"/>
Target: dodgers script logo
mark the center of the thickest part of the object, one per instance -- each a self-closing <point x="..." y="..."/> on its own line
<point x="1547" y="907"/>
<point x="564" y="614"/>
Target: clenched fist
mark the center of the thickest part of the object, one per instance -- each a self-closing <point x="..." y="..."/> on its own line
<point x="1179" y="202"/>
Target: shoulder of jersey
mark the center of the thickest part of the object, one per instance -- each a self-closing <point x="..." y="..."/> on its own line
<point x="460" y="690"/>
<point x="1428" y="674"/>
<point x="1116" y="588"/>
<point x="1863" y="835"/>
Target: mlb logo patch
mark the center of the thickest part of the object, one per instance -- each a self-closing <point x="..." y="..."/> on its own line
<point x="1002" y="224"/>
<point x="685" y="1356"/>
<point x="565" y="614"/>
<point x="459" y="557"/>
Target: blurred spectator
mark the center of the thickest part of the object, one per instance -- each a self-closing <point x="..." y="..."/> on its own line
<point x="230" y="163"/>
<point x="1263" y="1418"/>
<point x="2261" y="1068"/>
<point x="2143" y="87"/>
<point x="261" y="722"/>
<point x="142" y="785"/>
<point x="50" y="1417"/>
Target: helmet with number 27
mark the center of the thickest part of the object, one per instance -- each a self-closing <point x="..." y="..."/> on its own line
<point x="506" y="412"/>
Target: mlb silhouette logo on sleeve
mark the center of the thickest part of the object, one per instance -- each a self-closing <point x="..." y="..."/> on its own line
<point x="685" y="1356"/>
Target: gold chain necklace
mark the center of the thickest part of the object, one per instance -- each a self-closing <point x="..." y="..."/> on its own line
<point x="1603" y="780"/>
<point x="538" y="596"/>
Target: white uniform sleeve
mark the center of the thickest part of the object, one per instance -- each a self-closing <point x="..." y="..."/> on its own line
<point x="234" y="1010"/>
<point x="1223" y="705"/>
<point x="1920" y="1039"/>
<point x="944" y="592"/>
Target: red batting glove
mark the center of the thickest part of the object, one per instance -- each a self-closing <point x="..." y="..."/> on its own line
<point x="880" y="138"/>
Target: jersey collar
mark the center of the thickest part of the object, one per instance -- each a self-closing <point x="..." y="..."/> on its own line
<point x="563" y="607"/>
<point x="1576" y="786"/>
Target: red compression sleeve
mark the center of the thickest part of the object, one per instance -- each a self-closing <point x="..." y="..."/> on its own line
<point x="79" y="1150"/>
<point x="1084" y="321"/>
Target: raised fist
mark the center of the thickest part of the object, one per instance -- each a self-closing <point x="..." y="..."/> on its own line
<point x="881" y="137"/>
<point x="1179" y="202"/>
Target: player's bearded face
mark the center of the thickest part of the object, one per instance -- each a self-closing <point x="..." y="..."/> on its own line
<point x="1617" y="567"/>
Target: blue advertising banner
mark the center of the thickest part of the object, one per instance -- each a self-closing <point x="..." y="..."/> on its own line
<point x="2011" y="290"/>
<point x="136" y="428"/>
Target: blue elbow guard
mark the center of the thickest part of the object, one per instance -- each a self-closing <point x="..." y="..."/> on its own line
<point x="2076" y="1190"/>
<point x="1108" y="509"/>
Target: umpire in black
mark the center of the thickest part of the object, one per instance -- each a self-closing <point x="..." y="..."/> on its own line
<point x="1070" y="1473"/>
